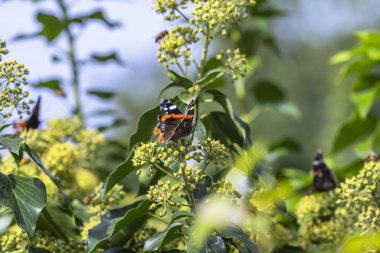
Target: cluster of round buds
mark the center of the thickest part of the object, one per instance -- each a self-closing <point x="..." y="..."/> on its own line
<point x="169" y="8"/>
<point x="113" y="198"/>
<point x="139" y="237"/>
<point x="361" y="189"/>
<point x="3" y="48"/>
<point x="176" y="46"/>
<point x="145" y="154"/>
<point x="61" y="156"/>
<point x="13" y="96"/>
<point x="234" y="61"/>
<point x="368" y="219"/>
<point x="151" y="154"/>
<point x="225" y="190"/>
<point x="216" y="14"/>
<point x="213" y="150"/>
<point x="46" y="241"/>
<point x="326" y="218"/>
<point x="192" y="176"/>
<point x="12" y="240"/>
<point x="98" y="207"/>
<point x="162" y="194"/>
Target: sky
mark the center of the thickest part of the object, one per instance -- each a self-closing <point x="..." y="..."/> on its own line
<point x="305" y="21"/>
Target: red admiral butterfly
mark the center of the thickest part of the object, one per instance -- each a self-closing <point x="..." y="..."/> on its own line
<point x="174" y="125"/>
<point x="33" y="122"/>
<point x="324" y="178"/>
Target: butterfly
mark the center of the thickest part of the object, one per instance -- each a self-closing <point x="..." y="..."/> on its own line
<point x="174" y="125"/>
<point x="33" y="122"/>
<point x="324" y="178"/>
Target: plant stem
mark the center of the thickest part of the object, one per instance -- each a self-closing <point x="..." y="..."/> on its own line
<point x="189" y="193"/>
<point x="158" y="218"/>
<point x="206" y="43"/>
<point x="184" y="16"/>
<point x="163" y="170"/>
<point x="74" y="66"/>
<point x="182" y="70"/>
<point x="219" y="75"/>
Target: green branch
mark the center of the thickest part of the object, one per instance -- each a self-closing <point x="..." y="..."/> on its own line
<point x="74" y="66"/>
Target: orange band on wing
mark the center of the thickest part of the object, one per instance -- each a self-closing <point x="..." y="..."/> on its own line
<point x="171" y="116"/>
<point x="157" y="130"/>
<point x="161" y="139"/>
<point x="189" y="116"/>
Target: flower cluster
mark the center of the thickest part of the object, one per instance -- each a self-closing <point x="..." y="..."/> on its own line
<point x="216" y="14"/>
<point x="268" y="237"/>
<point x="16" y="240"/>
<point x="13" y="96"/>
<point x="354" y="206"/>
<point x="176" y="46"/>
<point x="192" y="176"/>
<point x="116" y="197"/>
<point x="225" y="190"/>
<point x="214" y="150"/>
<point x="235" y="61"/>
<point x="3" y="49"/>
<point x="184" y="166"/>
<point x="163" y="194"/>
<point x="170" y="8"/>
<point x="151" y="155"/>
<point x="136" y="244"/>
<point x="68" y="151"/>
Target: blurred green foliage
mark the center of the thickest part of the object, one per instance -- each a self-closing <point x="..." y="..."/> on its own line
<point x="254" y="104"/>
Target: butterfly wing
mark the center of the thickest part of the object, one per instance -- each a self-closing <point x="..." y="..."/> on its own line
<point x="324" y="178"/>
<point x="33" y="122"/>
<point x="186" y="124"/>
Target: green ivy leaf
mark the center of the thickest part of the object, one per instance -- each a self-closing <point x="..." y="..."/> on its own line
<point x="111" y="225"/>
<point x="364" y="100"/>
<point x="177" y="81"/>
<point x="283" y="148"/>
<point x="353" y="130"/>
<point x="221" y="128"/>
<point x="37" y="250"/>
<point x="102" y="94"/>
<point x="215" y="244"/>
<point x="53" y="84"/>
<point x="118" y="174"/>
<point x="157" y="241"/>
<point x="13" y="143"/>
<point x="181" y="214"/>
<point x="213" y="78"/>
<point x="51" y="26"/>
<point x="145" y="126"/>
<point x="267" y="91"/>
<point x="33" y="155"/>
<point x="99" y="15"/>
<point x="106" y="57"/>
<point x="289" y="108"/>
<point x="232" y="120"/>
<point x="26" y="197"/>
<point x="200" y="132"/>
<point x="59" y="221"/>
<point x="237" y="233"/>
<point x="143" y="133"/>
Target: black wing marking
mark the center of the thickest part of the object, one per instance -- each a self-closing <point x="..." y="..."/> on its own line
<point x="167" y="106"/>
<point x="324" y="178"/>
<point x="33" y="122"/>
<point x="185" y="126"/>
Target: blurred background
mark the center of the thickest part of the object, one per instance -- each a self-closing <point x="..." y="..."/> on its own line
<point x="120" y="76"/>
